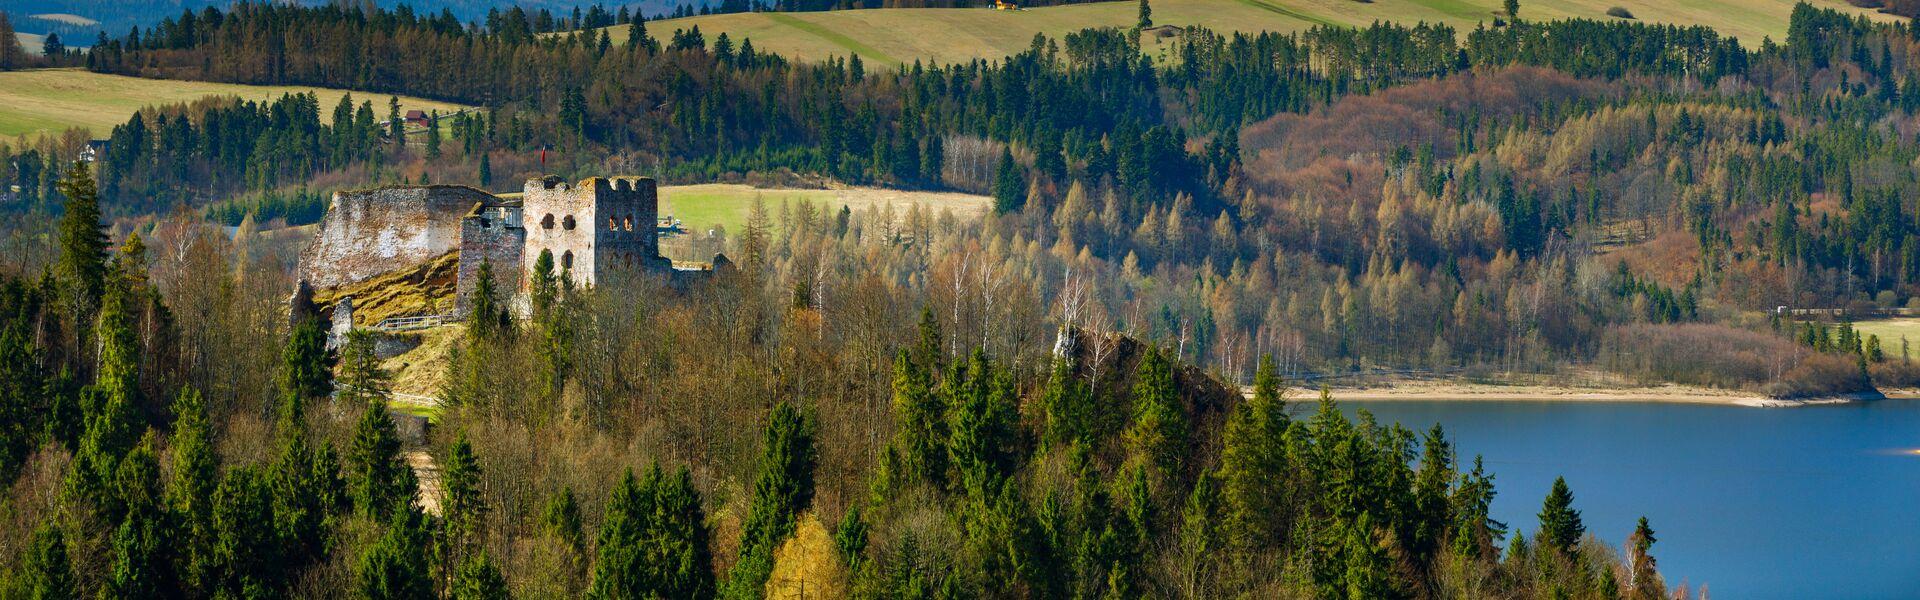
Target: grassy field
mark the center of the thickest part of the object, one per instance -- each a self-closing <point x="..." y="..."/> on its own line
<point x="894" y="36"/>
<point x="700" y="207"/>
<point x="50" y="101"/>
<point x="1890" y="332"/>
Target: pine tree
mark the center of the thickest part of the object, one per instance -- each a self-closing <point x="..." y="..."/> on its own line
<point x="433" y="135"/>
<point x="396" y="126"/>
<point x="1560" y="527"/>
<point x="377" y="475"/>
<point x="1146" y="15"/>
<point x="1512" y="10"/>
<point x="1067" y="405"/>
<point x="195" y="477"/>
<point x="983" y="420"/>
<point x="45" y="573"/>
<point x="545" y="286"/>
<point x="1643" y="575"/>
<point x="245" y="553"/>
<point x="1157" y="435"/>
<point x="486" y="318"/>
<point x="486" y="171"/>
<point x="478" y="579"/>
<point x="920" y="429"/>
<point x="1253" y="463"/>
<point x="12" y="55"/>
<point x="304" y="372"/>
<point x="362" y="380"/>
<point x="23" y="397"/>
<point x="82" y="267"/>
<point x="142" y="561"/>
<point x="463" y="508"/>
<point x="1009" y="185"/>
<point x="782" y="491"/>
<point x="395" y="568"/>
<point x="654" y="541"/>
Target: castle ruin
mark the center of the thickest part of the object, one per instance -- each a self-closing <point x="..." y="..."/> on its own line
<point x="598" y="230"/>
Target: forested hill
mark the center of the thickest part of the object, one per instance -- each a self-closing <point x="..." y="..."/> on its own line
<point x="80" y="20"/>
<point x="942" y="35"/>
<point x="1535" y="196"/>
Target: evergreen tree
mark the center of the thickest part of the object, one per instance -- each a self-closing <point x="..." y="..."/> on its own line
<point x="1157" y="436"/>
<point x="1512" y="10"/>
<point x="45" y="573"/>
<point x="395" y="568"/>
<point x="782" y="491"/>
<point x="1560" y="527"/>
<point x="1643" y="577"/>
<point x="545" y="286"/>
<point x="433" y="135"/>
<point x="983" y="423"/>
<point x="462" y="508"/>
<point x="1009" y="185"/>
<point x="1067" y="406"/>
<point x="396" y="126"/>
<point x="82" y="267"/>
<point x="195" y="477"/>
<point x="1146" y="15"/>
<point x="362" y="380"/>
<point x="654" y="541"/>
<point x="377" y="475"/>
<point x="12" y="56"/>
<point x="1253" y="464"/>
<point x="486" y="171"/>
<point x="142" y="546"/>
<point x="486" y="318"/>
<point x="920" y="429"/>
<point x="23" y="397"/>
<point x="478" y="579"/>
<point x="245" y="553"/>
<point x="304" y="372"/>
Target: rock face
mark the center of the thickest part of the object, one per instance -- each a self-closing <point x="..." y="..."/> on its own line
<point x="370" y="232"/>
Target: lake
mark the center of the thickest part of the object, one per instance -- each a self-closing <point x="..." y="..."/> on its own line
<point x="1808" y="502"/>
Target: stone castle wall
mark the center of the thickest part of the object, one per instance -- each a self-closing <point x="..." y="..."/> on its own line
<point x="370" y="232"/>
<point x="494" y="234"/>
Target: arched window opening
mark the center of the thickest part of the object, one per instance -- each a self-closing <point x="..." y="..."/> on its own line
<point x="567" y="223"/>
<point x="546" y="222"/>
<point x="566" y="260"/>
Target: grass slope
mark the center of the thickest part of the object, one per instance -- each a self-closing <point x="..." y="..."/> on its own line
<point x="52" y="100"/>
<point x="892" y="36"/>
<point x="700" y="207"/>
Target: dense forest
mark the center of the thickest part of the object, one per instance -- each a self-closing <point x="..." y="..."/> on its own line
<point x="1044" y="402"/>
<point x="171" y="433"/>
<point x="1522" y="197"/>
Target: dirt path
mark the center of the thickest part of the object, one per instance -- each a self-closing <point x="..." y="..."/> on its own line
<point x="427" y="471"/>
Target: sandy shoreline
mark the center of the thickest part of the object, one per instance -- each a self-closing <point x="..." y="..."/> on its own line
<point x="1460" y="391"/>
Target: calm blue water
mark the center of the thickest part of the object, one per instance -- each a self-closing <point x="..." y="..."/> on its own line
<point x="1812" y="502"/>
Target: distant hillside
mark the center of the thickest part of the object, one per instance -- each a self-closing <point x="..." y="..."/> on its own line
<point x="50" y="101"/>
<point x="894" y="36"/>
<point x="117" y="16"/>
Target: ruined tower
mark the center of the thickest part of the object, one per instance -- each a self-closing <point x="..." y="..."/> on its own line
<point x="597" y="229"/>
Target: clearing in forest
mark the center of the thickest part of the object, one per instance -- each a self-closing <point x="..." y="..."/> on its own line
<point x="701" y="207"/>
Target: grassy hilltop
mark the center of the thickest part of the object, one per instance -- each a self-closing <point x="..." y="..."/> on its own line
<point x="52" y="100"/>
<point x="900" y="35"/>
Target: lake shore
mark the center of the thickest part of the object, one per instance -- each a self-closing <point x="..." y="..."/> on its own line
<point x="1465" y="391"/>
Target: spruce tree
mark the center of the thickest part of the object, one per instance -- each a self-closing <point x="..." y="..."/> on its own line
<point x="1642" y="573"/>
<point x="1560" y="527"/>
<point x="783" y="489"/>
<point x="195" y="477"/>
<point x="433" y="135"/>
<point x="1157" y="435"/>
<point x="395" y="568"/>
<point x="1253" y="464"/>
<point x="23" y="398"/>
<point x="920" y="437"/>
<point x="463" y="509"/>
<point x="377" y="475"/>
<point x="45" y="573"/>
<point x="486" y="171"/>
<point x="1009" y="185"/>
<point x="1146" y="15"/>
<point x="304" y="372"/>
<point x="362" y="380"/>
<point x="478" y="579"/>
<point x="82" y="267"/>
<point x="654" y="541"/>
<point x="396" y="126"/>
<point x="142" y="545"/>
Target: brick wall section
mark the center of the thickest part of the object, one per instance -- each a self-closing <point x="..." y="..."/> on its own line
<point x="370" y="232"/>
<point x="493" y="233"/>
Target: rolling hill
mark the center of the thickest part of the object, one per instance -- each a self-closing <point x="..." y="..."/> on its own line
<point x="50" y="101"/>
<point x="895" y="36"/>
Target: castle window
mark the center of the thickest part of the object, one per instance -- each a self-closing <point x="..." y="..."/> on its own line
<point x="613" y="224"/>
<point x="486" y="224"/>
<point x="568" y="223"/>
<point x="566" y="260"/>
<point x="629" y="222"/>
<point x="546" y="222"/>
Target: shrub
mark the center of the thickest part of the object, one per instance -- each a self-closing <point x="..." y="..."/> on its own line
<point x="1620" y="12"/>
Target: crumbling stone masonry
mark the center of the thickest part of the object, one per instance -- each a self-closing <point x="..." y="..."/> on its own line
<point x="598" y="230"/>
